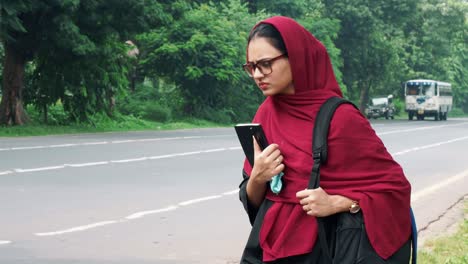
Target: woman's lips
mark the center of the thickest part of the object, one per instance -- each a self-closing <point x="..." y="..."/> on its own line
<point x="263" y="85"/>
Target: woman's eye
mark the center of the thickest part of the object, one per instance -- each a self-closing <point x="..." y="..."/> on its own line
<point x="264" y="64"/>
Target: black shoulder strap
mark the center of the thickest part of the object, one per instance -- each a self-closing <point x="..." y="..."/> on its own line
<point x="320" y="136"/>
<point x="320" y="154"/>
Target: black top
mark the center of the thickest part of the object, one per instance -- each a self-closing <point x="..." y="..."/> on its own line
<point x="253" y="253"/>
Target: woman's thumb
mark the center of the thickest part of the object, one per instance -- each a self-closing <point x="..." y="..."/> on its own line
<point x="257" y="149"/>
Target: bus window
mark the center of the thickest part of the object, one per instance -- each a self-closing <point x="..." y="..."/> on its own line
<point x="412" y="89"/>
<point x="428" y="89"/>
<point x="445" y="91"/>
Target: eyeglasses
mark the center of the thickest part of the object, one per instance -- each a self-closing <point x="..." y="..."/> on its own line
<point x="264" y="66"/>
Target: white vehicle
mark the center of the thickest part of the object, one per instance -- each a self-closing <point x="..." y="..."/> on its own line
<point x="428" y="98"/>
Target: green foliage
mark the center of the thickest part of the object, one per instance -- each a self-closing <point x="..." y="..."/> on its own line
<point x="190" y="53"/>
<point x="370" y="44"/>
<point x="399" y="106"/>
<point x="152" y="100"/>
<point x="78" y="48"/>
<point x="290" y="8"/>
<point x="2" y="56"/>
<point x="146" y="110"/>
<point x="56" y="115"/>
<point x="326" y="30"/>
<point x="436" y="45"/>
<point x="457" y="112"/>
<point x="202" y="53"/>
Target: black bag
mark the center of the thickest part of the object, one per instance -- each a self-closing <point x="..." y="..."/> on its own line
<point x="342" y="237"/>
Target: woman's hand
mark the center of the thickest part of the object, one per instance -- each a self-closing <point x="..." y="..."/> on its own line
<point x="318" y="203"/>
<point x="267" y="163"/>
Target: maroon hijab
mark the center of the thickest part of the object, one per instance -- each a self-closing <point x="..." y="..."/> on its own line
<point x="359" y="166"/>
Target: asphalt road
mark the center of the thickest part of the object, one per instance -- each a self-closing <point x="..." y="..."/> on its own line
<point x="171" y="197"/>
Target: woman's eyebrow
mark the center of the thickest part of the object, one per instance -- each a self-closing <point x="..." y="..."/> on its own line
<point x="263" y="59"/>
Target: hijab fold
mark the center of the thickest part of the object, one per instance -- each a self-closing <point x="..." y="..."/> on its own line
<point x="359" y="166"/>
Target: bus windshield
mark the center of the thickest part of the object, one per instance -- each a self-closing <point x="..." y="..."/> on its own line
<point x="420" y="88"/>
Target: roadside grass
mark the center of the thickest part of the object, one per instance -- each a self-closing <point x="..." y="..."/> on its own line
<point x="456" y="112"/>
<point x="404" y="116"/>
<point x="451" y="249"/>
<point x="128" y="124"/>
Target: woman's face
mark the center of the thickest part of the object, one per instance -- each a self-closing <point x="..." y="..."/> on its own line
<point x="280" y="80"/>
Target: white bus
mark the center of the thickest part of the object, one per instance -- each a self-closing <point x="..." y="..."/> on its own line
<point x="428" y="98"/>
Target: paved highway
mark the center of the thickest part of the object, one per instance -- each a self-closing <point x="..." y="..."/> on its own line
<point x="170" y="197"/>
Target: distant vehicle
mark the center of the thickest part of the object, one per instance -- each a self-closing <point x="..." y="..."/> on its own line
<point x="428" y="98"/>
<point x="381" y="107"/>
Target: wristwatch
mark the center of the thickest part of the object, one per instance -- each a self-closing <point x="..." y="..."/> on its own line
<point x="354" y="208"/>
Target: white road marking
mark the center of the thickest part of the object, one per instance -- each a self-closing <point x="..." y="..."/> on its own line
<point x="214" y="150"/>
<point x="78" y="165"/>
<point x="416" y="196"/>
<point x="107" y="142"/>
<point x="21" y="148"/>
<point x="62" y="145"/>
<point x="431" y="189"/>
<point x="95" y="143"/>
<point x="76" y="229"/>
<point x="199" y="200"/>
<point x="199" y="152"/>
<point x="129" y="160"/>
<point x="231" y="192"/>
<point x="418" y="128"/>
<point x="161" y="157"/>
<point x="121" y="141"/>
<point x="129" y="217"/>
<point x="188" y="153"/>
<point x="143" y="213"/>
<point x="40" y="169"/>
<point x="4" y="242"/>
<point x="428" y="146"/>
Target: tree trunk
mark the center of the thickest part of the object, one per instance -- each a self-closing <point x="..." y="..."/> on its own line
<point x="11" y="106"/>
<point x="252" y="6"/>
<point x="110" y="96"/>
<point x="364" y="97"/>
<point x="46" y="114"/>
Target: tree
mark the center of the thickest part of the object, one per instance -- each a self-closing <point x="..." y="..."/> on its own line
<point x="202" y="52"/>
<point x="369" y="41"/>
<point x="77" y="46"/>
<point x="326" y="30"/>
<point x="291" y="8"/>
<point x="435" y="45"/>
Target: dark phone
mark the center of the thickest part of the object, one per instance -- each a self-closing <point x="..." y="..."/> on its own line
<point x="245" y="133"/>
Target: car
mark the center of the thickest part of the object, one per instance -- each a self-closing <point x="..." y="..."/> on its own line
<point x="381" y="107"/>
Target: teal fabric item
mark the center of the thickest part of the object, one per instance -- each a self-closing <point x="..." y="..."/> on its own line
<point x="276" y="184"/>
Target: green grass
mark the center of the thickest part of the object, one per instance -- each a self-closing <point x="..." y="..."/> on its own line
<point x="107" y="125"/>
<point x="447" y="250"/>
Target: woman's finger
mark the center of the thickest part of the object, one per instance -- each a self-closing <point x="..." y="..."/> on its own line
<point x="302" y="194"/>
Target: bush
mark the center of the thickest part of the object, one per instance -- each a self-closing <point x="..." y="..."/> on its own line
<point x="223" y="116"/>
<point x="155" y="112"/>
<point x="55" y="115"/>
<point x="399" y="105"/>
<point x="456" y="112"/>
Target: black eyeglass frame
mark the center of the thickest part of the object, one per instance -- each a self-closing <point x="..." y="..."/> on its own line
<point x="250" y="67"/>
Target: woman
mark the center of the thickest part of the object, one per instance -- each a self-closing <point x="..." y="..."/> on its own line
<point x="294" y="72"/>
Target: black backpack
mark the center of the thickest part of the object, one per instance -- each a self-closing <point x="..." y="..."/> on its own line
<point x="329" y="237"/>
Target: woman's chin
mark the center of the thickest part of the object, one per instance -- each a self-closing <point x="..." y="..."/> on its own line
<point x="268" y="92"/>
